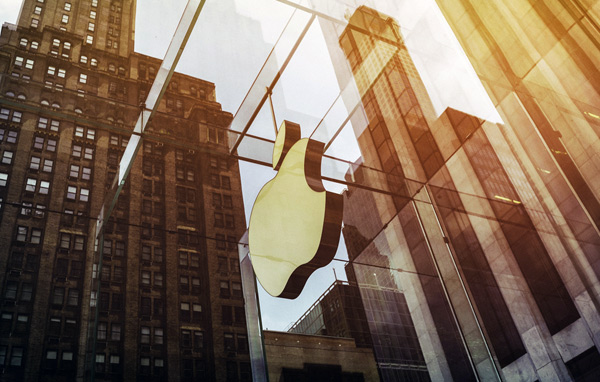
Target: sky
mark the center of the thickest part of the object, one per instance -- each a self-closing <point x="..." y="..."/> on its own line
<point x="229" y="46"/>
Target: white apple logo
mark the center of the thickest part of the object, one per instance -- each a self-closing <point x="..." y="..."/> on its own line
<point x="295" y="223"/>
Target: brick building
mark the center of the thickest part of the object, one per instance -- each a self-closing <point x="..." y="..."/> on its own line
<point x="170" y="303"/>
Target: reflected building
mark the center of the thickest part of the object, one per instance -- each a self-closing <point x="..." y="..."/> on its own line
<point x="170" y="302"/>
<point x="488" y="230"/>
<point x="376" y="316"/>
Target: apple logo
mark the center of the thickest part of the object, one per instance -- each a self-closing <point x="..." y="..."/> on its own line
<point x="295" y="223"/>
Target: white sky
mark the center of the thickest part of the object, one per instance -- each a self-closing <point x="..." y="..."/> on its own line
<point x="230" y="43"/>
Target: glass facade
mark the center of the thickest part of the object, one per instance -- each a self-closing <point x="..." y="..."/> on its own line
<point x="459" y="141"/>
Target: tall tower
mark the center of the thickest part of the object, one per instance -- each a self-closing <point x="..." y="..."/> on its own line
<point x="170" y="302"/>
<point x="497" y="261"/>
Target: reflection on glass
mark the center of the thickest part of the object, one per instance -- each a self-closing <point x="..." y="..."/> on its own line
<point x="462" y="136"/>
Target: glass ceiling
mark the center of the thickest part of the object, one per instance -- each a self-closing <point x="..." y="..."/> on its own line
<point x="275" y="60"/>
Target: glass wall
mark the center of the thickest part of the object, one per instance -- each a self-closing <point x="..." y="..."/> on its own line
<point x="452" y="145"/>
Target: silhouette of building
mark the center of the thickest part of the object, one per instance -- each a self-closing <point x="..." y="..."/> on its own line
<point x="170" y="300"/>
<point x="376" y="317"/>
<point x="489" y="230"/>
<point x="299" y="357"/>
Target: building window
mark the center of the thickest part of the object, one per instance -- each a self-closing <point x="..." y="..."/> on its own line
<point x="115" y="332"/>
<point x="42" y="123"/>
<point x="65" y="19"/>
<point x="48" y="163"/>
<point x="27" y="288"/>
<point x="7" y="157"/>
<point x="89" y="39"/>
<point x="83" y="78"/>
<point x="73" y="297"/>
<point x="229" y="342"/>
<point x="224" y="288"/>
<point x="35" y="22"/>
<point x="145" y="277"/>
<point x="82" y="132"/>
<point x="158" y="336"/>
<point x="67" y="6"/>
<point x="184" y="311"/>
<point x="236" y="289"/>
<point x="145" y="335"/>
<point x="58" y="296"/>
<point x="44" y="187"/>
<point x="65" y="240"/>
<point x="10" y="291"/>
<point x="16" y="356"/>
<point x="91" y="27"/>
<point x="93" y="15"/>
<point x="102" y="330"/>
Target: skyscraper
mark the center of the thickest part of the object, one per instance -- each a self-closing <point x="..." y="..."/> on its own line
<point x="170" y="304"/>
<point x="489" y="229"/>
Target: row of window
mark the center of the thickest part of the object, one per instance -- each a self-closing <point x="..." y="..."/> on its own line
<point x="230" y="289"/>
<point x="44" y="164"/>
<point x="66" y="267"/>
<point x="224" y="220"/>
<point x="8" y="136"/>
<point x="158" y="337"/>
<point x="42" y="187"/>
<point x="189" y="259"/>
<point x="27" y="234"/>
<point x="146" y="278"/>
<point x="222" y="200"/>
<point x="56" y="46"/>
<point x="190" y="312"/>
<point x="21" y="291"/>
<point x="186" y="281"/>
<point x="230" y="243"/>
<point x="10" y="115"/>
<point x="62" y="328"/>
<point x="108" y="301"/>
<point x="72" y="296"/>
<point x="33" y="45"/>
<point x="17" y="325"/>
<point x="78" y="193"/>
<point x="150" y="253"/>
<point x="226" y="265"/>
<point x="114" y="361"/>
<point x="235" y="342"/>
<point x="113" y="247"/>
<point x="145" y="366"/>
<point x="104" y="335"/>
<point x="146" y="307"/>
<point x="11" y="357"/>
<point x="233" y="315"/>
<point x="21" y="261"/>
<point x="192" y="338"/>
<point x="37" y="211"/>
<point x="26" y="63"/>
<point x="66" y="357"/>
<point x="112" y="273"/>
<point x="11" y="94"/>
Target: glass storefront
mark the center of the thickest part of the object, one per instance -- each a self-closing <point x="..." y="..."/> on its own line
<point x="458" y="140"/>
